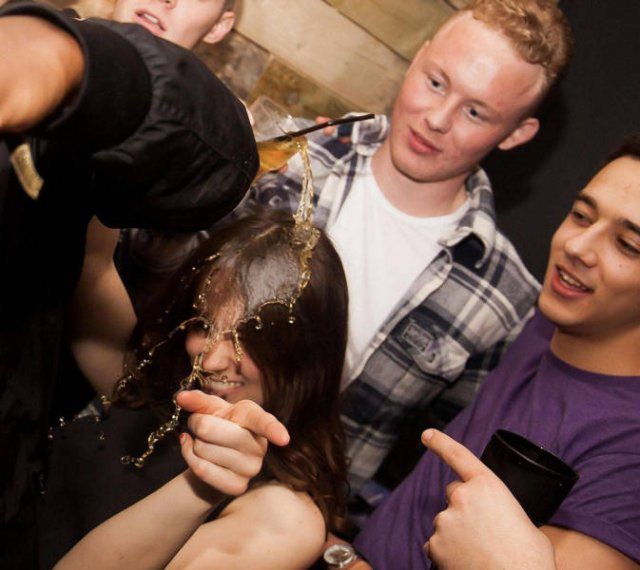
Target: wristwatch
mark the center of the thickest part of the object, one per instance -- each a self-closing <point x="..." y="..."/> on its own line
<point x="339" y="555"/>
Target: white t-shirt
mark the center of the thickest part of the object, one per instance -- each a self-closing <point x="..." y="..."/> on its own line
<point x="383" y="250"/>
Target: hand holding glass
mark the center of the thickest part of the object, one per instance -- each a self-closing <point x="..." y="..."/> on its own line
<point x="277" y="134"/>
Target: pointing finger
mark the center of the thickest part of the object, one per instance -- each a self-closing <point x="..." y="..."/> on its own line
<point x="197" y="401"/>
<point x="245" y="413"/>
<point x="465" y="464"/>
<point x="251" y="416"/>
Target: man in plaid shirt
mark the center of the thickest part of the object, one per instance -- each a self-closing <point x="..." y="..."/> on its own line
<point x="436" y="290"/>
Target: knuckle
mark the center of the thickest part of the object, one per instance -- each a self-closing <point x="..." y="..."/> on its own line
<point x="454" y="453"/>
<point x="237" y="486"/>
<point x="201" y="426"/>
<point x="194" y="422"/>
<point x="198" y="447"/>
<point x="432" y="546"/>
<point x="199" y="469"/>
<point x="247" y="406"/>
<point x="254" y="467"/>
<point x="457" y="495"/>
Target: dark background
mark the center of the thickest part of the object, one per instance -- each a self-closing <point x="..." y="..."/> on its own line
<point x="597" y="103"/>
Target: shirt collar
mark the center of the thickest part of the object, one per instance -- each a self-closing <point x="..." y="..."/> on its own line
<point x="367" y="136"/>
<point x="480" y="218"/>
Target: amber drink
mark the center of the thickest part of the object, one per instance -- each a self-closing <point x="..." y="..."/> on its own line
<point x="275" y="153"/>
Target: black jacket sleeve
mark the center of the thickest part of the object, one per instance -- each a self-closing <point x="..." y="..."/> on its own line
<point x="152" y="139"/>
<point x="169" y="146"/>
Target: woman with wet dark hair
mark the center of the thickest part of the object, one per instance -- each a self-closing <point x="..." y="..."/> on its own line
<point x="259" y="313"/>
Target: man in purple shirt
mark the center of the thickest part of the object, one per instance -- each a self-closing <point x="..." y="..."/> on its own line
<point x="571" y="383"/>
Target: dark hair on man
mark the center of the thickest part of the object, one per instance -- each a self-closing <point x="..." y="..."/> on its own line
<point x="299" y="350"/>
<point x="630" y="147"/>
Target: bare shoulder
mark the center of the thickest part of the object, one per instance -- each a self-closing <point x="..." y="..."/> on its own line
<point x="575" y="550"/>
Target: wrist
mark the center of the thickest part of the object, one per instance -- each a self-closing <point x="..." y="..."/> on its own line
<point x="209" y="497"/>
<point x="341" y="555"/>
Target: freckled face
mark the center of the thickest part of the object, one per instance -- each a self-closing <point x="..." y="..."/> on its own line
<point x="592" y="281"/>
<point x="465" y="93"/>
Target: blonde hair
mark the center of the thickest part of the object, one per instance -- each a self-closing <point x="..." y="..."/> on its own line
<point x="537" y="29"/>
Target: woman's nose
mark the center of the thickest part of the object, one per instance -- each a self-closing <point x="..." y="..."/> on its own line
<point x="219" y="356"/>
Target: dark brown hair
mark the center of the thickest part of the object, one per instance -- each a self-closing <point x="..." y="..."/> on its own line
<point x="301" y="361"/>
<point x="630" y="147"/>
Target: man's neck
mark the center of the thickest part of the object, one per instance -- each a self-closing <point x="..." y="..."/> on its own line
<point x="615" y="356"/>
<point x="419" y="199"/>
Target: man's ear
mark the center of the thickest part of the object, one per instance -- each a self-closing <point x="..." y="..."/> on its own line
<point x="523" y="133"/>
<point x="221" y="28"/>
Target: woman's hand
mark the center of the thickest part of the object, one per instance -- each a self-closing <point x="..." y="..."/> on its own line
<point x="483" y="525"/>
<point x="230" y="440"/>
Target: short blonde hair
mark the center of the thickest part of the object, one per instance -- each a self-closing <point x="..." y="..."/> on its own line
<point x="537" y="29"/>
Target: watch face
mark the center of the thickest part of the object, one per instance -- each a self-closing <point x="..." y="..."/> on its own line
<point x="339" y="555"/>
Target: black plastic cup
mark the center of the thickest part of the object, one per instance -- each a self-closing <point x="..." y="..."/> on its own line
<point x="538" y="479"/>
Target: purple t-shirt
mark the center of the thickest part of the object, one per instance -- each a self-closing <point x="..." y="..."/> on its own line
<point x="591" y="421"/>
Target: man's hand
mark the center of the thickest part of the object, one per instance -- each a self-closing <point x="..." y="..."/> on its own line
<point x="483" y="525"/>
<point x="230" y="440"/>
<point x="40" y="66"/>
<point x="331" y="131"/>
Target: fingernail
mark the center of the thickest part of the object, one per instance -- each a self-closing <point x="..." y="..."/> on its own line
<point x="183" y="438"/>
<point x="427" y="435"/>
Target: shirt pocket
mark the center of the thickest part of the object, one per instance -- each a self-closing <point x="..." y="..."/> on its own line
<point x="434" y="352"/>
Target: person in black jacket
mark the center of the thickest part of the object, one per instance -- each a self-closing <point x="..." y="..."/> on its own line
<point x="123" y="126"/>
<point x="145" y="259"/>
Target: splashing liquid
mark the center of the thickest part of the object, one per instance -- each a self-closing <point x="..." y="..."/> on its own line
<point x="303" y="239"/>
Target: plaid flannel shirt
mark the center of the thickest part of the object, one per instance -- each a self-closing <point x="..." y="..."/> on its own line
<point x="450" y="327"/>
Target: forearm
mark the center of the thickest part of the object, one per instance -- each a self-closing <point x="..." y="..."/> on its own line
<point x="149" y="533"/>
<point x="102" y="320"/>
<point x="41" y="66"/>
<point x="70" y="86"/>
<point x="101" y="314"/>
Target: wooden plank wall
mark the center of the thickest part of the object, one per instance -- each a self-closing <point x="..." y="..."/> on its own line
<point x="325" y="57"/>
<point x="318" y="57"/>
